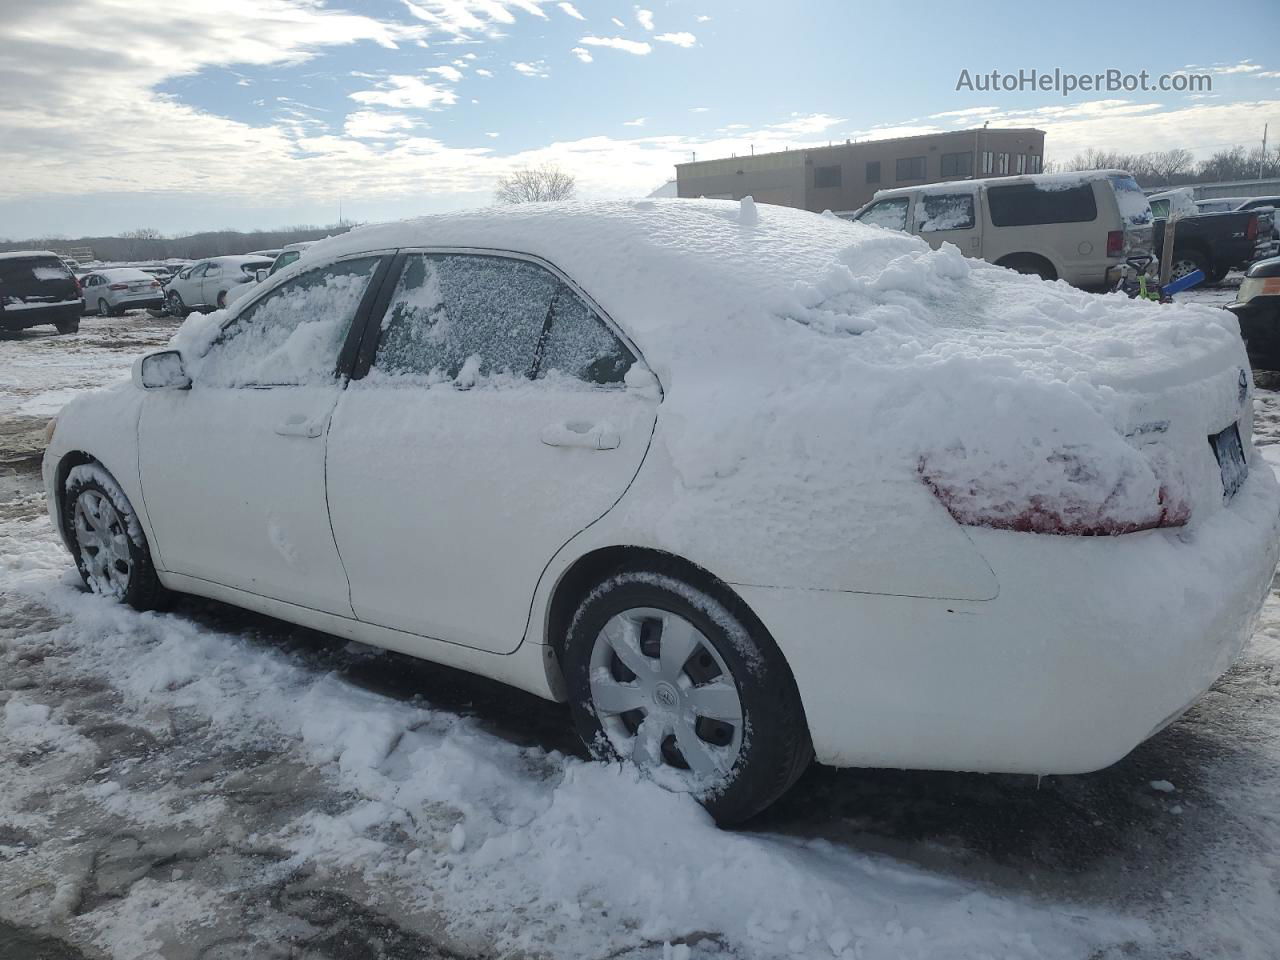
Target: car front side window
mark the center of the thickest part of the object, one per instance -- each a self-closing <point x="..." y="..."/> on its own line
<point x="293" y="334"/>
<point x="460" y="316"/>
<point x="891" y="213"/>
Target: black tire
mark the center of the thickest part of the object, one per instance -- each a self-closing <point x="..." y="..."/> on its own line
<point x="104" y="308"/>
<point x="1187" y="260"/>
<point x="1218" y="275"/>
<point x="176" y="307"/>
<point x="778" y="749"/>
<point x="222" y="300"/>
<point x="68" y="326"/>
<point x="143" y="590"/>
<point x="1032" y="266"/>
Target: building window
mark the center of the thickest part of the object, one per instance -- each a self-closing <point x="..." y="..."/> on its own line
<point x="957" y="164"/>
<point x="873" y="171"/>
<point x="988" y="161"/>
<point x="1020" y="159"/>
<point x="1002" y="164"/>
<point x="826" y="176"/>
<point x="1033" y="163"/>
<point x="911" y="168"/>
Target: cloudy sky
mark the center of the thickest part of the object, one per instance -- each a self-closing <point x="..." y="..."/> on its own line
<point x="196" y="114"/>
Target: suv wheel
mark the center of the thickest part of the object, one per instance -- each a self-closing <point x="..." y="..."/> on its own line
<point x="68" y="326"/>
<point x="176" y="307"/>
<point x="668" y="676"/>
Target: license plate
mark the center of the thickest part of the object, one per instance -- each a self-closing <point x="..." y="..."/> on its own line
<point x="1231" y="462"/>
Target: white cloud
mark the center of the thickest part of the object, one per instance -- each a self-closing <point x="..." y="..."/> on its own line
<point x="679" y="39"/>
<point x="449" y="73"/>
<point x="372" y="125"/>
<point x="571" y="10"/>
<point x="644" y="18"/>
<point x="638" y="47"/>
<point x="582" y="53"/>
<point x="702" y="18"/>
<point x="464" y="18"/>
<point x="482" y="72"/>
<point x="493" y="135"/>
<point x="402" y="91"/>
<point x="637" y="122"/>
<point x="538" y="68"/>
<point x="699" y="109"/>
<point x="618" y="23"/>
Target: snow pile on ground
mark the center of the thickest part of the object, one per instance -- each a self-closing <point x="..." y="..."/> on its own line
<point x="520" y="848"/>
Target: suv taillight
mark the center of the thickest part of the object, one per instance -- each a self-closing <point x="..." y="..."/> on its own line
<point x="1115" y="243"/>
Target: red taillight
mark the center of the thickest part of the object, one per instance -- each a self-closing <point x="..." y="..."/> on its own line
<point x="118" y="286"/>
<point x="1251" y="231"/>
<point x="155" y="283"/>
<point x="1070" y="508"/>
<point x="1115" y="243"/>
<point x="79" y="289"/>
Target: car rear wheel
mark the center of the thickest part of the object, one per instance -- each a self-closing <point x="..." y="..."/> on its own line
<point x="68" y="326"/>
<point x="222" y="300"/>
<point x="104" y="308"/>
<point x="106" y="539"/>
<point x="176" y="307"/>
<point x="1186" y="262"/>
<point x="682" y="683"/>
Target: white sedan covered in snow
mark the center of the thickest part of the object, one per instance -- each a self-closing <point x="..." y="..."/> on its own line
<point x="743" y="486"/>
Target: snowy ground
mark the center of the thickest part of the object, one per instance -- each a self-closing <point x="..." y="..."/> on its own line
<point x="211" y="784"/>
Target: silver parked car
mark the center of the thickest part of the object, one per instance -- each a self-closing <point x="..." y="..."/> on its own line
<point x="111" y="292"/>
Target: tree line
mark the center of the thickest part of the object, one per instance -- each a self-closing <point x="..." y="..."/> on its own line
<point x="1166" y="168"/>
<point x="147" y="243"/>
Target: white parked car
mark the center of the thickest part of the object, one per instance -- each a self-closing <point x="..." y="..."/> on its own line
<point x="1077" y="227"/>
<point x="744" y="486"/>
<point x="204" y="285"/>
<point x="289" y="255"/>
<point x="112" y="291"/>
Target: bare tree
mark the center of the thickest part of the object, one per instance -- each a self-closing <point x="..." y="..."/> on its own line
<point x="1171" y="166"/>
<point x="531" y="184"/>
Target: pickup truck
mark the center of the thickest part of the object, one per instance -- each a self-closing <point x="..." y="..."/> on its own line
<point x="1213" y="242"/>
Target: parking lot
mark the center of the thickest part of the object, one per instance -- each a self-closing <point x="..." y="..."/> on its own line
<point x="212" y="784"/>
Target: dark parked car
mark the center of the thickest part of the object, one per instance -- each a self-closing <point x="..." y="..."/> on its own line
<point x="1257" y="307"/>
<point x="1213" y="243"/>
<point x="36" y="288"/>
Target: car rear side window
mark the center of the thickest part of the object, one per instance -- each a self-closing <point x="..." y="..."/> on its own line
<point x="579" y="344"/>
<point x="1024" y="204"/>
<point x="458" y="316"/>
<point x="293" y="334"/>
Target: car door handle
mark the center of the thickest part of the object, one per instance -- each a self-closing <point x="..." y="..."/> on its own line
<point x="300" y="425"/>
<point x="581" y="433"/>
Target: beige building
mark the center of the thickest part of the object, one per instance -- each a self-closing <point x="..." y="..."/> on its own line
<point x="845" y="176"/>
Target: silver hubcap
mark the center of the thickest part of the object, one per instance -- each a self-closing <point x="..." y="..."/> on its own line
<point x="103" y="309"/>
<point x="103" y="542"/>
<point x="1181" y="268"/>
<point x="665" y="697"/>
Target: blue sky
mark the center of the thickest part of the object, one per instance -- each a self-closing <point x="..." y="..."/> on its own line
<point x="184" y="115"/>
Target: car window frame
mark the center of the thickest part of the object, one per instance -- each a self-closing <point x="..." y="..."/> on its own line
<point x="355" y="333"/>
<point x="368" y="343"/>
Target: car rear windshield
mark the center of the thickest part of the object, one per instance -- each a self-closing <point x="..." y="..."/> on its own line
<point x="1135" y="209"/>
<point x="1024" y="204"/>
<point x="24" y="270"/>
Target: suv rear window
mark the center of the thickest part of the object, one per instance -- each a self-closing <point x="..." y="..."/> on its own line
<point x="26" y="269"/>
<point x="1023" y="204"/>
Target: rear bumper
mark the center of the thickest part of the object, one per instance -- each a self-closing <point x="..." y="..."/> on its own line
<point x="40" y="316"/>
<point x="1092" y="645"/>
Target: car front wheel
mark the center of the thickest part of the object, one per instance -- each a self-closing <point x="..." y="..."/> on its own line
<point x="104" y="308"/>
<point x="176" y="307"/>
<point x="681" y="682"/>
<point x="107" y="542"/>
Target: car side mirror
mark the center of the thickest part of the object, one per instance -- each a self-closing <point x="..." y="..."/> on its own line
<point x="260" y="274"/>
<point x="163" y="370"/>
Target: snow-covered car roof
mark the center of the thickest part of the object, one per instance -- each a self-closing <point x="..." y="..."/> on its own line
<point x="23" y="254"/>
<point x="236" y="259"/>
<point x="701" y="284"/>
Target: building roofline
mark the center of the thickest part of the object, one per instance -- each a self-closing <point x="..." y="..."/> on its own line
<point x="862" y="143"/>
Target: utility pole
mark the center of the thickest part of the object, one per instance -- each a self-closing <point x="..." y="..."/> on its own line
<point x="1262" y="161"/>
